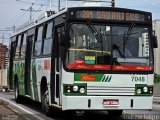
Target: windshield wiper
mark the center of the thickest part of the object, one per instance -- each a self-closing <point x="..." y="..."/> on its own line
<point x="96" y="34"/>
<point x="128" y="34"/>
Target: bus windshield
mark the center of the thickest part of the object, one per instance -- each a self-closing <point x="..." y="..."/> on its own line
<point x="106" y="47"/>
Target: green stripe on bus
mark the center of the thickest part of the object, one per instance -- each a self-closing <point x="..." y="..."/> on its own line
<point x="92" y="77"/>
<point x="97" y="77"/>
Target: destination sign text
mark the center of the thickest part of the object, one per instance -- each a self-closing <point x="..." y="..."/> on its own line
<point x="110" y="15"/>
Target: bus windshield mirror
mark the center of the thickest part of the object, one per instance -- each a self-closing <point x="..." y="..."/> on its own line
<point x="155" y="42"/>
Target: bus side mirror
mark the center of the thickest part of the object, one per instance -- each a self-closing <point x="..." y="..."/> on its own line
<point x="154" y="38"/>
<point x="155" y="42"/>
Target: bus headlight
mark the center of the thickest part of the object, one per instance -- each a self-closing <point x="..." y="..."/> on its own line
<point x="145" y="89"/>
<point x="139" y="91"/>
<point x="82" y="90"/>
<point x="75" y="89"/>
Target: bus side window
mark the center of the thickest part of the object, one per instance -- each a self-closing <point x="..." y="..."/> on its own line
<point x="48" y="39"/>
<point x="23" y="45"/>
<point x="17" y="55"/>
<point x="38" y="42"/>
<point x="13" y="46"/>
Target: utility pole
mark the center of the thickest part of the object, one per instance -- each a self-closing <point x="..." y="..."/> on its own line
<point x="113" y="3"/>
<point x="59" y="5"/>
<point x="50" y="5"/>
<point x="30" y="10"/>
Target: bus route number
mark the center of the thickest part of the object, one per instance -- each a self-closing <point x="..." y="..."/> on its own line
<point x="138" y="78"/>
<point x="87" y="14"/>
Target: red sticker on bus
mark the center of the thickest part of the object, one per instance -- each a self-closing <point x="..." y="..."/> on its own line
<point x="47" y="64"/>
<point x="110" y="102"/>
<point x="87" y="77"/>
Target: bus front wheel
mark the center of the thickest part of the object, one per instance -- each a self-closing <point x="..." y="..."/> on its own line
<point x="45" y="102"/>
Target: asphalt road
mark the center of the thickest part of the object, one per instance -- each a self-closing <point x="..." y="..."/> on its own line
<point x="32" y="110"/>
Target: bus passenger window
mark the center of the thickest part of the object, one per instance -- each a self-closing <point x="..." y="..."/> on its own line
<point x="13" y="46"/>
<point x="23" y="46"/>
<point x="48" y="39"/>
<point x="18" y="47"/>
<point x="38" y="42"/>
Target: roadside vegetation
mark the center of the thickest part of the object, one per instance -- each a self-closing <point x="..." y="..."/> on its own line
<point x="156" y="78"/>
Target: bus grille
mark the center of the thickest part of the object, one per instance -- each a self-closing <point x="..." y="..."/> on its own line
<point x="104" y="90"/>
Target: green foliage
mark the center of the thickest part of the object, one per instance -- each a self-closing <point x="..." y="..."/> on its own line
<point x="156" y="78"/>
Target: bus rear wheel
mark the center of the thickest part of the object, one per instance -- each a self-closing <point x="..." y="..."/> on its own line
<point x="115" y="113"/>
<point x="45" y="102"/>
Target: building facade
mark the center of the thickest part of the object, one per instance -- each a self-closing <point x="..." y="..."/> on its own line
<point x="156" y="27"/>
<point x="3" y="64"/>
<point x="3" y="56"/>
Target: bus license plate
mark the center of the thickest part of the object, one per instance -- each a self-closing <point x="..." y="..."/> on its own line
<point x="110" y="102"/>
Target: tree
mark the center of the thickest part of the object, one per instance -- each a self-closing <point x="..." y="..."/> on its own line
<point x="156" y="78"/>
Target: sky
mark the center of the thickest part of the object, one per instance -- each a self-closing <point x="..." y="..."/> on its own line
<point x="12" y="15"/>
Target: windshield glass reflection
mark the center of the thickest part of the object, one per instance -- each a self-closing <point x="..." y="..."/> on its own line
<point x="106" y="47"/>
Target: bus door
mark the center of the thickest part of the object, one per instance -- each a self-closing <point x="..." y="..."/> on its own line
<point x="56" y="66"/>
<point x="27" y="77"/>
<point x="11" y="58"/>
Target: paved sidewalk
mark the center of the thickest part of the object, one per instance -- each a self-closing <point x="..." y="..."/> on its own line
<point x="156" y="100"/>
<point x="16" y="111"/>
<point x="8" y="113"/>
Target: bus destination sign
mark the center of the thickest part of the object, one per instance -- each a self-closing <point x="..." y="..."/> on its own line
<point x="110" y="15"/>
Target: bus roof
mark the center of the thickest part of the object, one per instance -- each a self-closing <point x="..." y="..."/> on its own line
<point x="34" y="23"/>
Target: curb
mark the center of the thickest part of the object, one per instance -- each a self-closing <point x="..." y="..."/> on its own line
<point x="156" y="102"/>
<point x="2" y="102"/>
<point x="15" y="115"/>
<point x="11" y="105"/>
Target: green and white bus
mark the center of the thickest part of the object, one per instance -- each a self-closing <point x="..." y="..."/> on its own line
<point x="67" y="60"/>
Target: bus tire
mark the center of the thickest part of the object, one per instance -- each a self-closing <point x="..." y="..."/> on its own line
<point x="45" y="102"/>
<point x="115" y="113"/>
<point x="18" y="98"/>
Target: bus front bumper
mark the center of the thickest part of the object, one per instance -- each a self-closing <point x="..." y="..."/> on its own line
<point x="106" y="102"/>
